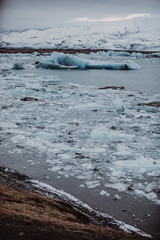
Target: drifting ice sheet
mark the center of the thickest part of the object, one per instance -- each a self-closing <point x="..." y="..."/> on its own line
<point x="67" y="61"/>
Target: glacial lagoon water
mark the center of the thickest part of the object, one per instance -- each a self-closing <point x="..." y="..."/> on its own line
<point x="100" y="145"/>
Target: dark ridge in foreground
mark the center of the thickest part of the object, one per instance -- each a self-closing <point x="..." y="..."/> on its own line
<point x="71" y="51"/>
<point x="27" y="215"/>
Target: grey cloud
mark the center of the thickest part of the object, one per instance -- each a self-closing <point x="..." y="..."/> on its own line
<point x="49" y="13"/>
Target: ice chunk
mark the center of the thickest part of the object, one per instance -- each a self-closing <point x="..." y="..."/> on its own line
<point x="92" y="184"/>
<point x="18" y="139"/>
<point x="117" y="197"/>
<point x="68" y="61"/>
<point x="104" y="133"/>
<point x="52" y="65"/>
<point x="18" y="66"/>
<point x="100" y="133"/>
<point x="151" y="196"/>
<point x="121" y="187"/>
<point x="104" y="193"/>
<point x="119" y="105"/>
<point x="140" y="193"/>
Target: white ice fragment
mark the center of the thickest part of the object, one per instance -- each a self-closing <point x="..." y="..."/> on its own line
<point x="100" y="133"/>
<point x="140" y="165"/>
<point x="117" y="197"/>
<point x="152" y="173"/>
<point x="157" y="201"/>
<point x="118" y="103"/>
<point x="92" y="184"/>
<point x="18" y="139"/>
<point x="151" y="196"/>
<point x="81" y="185"/>
<point x="11" y="77"/>
<point x="149" y="187"/>
<point x="55" y="168"/>
<point x="139" y="193"/>
<point x="86" y="165"/>
<point x="30" y="161"/>
<point x="51" y="81"/>
<point x="121" y="187"/>
<point x="29" y="75"/>
<point x="104" y="133"/>
<point x="88" y="107"/>
<point x="104" y="193"/>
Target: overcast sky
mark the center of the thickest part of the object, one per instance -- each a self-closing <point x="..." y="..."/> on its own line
<point x="23" y="14"/>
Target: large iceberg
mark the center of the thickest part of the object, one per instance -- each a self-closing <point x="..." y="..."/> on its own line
<point x="68" y="61"/>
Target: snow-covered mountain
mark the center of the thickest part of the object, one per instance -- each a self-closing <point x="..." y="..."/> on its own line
<point x="133" y="32"/>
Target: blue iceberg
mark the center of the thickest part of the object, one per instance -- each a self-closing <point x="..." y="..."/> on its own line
<point x="68" y="61"/>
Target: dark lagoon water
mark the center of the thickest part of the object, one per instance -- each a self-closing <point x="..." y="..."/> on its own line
<point x="146" y="80"/>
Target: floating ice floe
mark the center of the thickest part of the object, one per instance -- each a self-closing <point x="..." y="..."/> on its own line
<point x="119" y="106"/>
<point x="104" y="133"/>
<point x="104" y="193"/>
<point x="123" y="54"/>
<point x="67" y="61"/>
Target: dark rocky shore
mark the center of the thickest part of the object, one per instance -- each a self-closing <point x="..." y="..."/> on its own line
<point x="70" y="51"/>
<point x="26" y="214"/>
